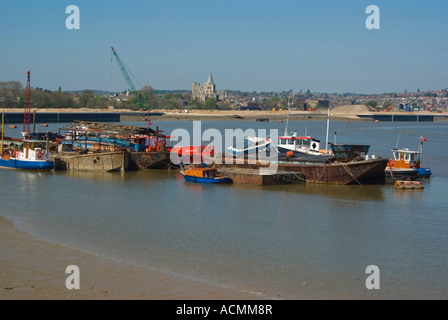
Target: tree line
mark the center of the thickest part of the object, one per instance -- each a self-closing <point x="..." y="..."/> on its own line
<point x="12" y="95"/>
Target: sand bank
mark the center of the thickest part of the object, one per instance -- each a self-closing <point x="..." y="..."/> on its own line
<point x="31" y="268"/>
<point x="196" y="115"/>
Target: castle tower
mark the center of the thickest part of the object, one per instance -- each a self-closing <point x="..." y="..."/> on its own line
<point x="206" y="91"/>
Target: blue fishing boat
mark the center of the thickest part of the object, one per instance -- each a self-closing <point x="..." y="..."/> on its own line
<point x="204" y="175"/>
<point x="28" y="153"/>
<point x="32" y="156"/>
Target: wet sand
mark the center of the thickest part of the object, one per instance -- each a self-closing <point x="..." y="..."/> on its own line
<point x="34" y="269"/>
<point x="203" y="115"/>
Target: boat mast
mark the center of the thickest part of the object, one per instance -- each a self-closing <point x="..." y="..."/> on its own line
<point x="421" y="154"/>
<point x="287" y="116"/>
<point x="26" y="118"/>
<point x="328" y="126"/>
<point x="398" y="139"/>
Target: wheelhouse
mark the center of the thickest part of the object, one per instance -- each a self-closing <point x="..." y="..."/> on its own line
<point x="405" y="158"/>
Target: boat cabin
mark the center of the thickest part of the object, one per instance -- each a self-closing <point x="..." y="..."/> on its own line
<point x="40" y="145"/>
<point x="202" y="172"/>
<point x="349" y="152"/>
<point x="405" y="158"/>
<point x="293" y="142"/>
<point x="33" y="150"/>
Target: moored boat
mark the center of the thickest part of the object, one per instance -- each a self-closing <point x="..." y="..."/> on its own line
<point x="28" y="153"/>
<point x="352" y="172"/>
<point x="251" y="145"/>
<point x="32" y="156"/>
<point x="407" y="164"/>
<point x="302" y="148"/>
<point x="184" y="155"/>
<point x="147" y="147"/>
<point x="204" y="175"/>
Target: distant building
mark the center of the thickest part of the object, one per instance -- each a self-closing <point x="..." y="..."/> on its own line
<point x="324" y="103"/>
<point x="314" y="103"/>
<point x="250" y="106"/>
<point x="207" y="91"/>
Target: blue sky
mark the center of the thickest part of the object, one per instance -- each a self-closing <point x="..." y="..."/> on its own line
<point x="250" y="45"/>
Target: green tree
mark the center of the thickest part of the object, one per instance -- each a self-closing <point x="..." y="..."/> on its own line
<point x="57" y="99"/>
<point x="224" y="105"/>
<point x="371" y="103"/>
<point x="86" y="99"/>
<point x="270" y="103"/>
<point x="149" y="98"/>
<point x="210" y="104"/>
<point x="196" y="104"/>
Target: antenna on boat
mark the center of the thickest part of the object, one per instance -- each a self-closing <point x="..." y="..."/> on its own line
<point x="398" y="139"/>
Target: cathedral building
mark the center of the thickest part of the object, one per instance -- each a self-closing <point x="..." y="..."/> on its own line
<point x="207" y="91"/>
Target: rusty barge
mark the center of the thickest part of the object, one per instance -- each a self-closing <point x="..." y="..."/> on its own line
<point x="350" y="165"/>
<point x="352" y="172"/>
<point x="141" y="148"/>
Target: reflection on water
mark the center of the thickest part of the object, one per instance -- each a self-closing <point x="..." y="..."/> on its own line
<point x="348" y="192"/>
<point x="408" y="195"/>
<point x="94" y="175"/>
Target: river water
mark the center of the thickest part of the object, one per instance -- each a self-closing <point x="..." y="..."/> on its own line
<point x="291" y="241"/>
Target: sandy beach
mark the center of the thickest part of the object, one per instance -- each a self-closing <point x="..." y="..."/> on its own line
<point x="33" y="269"/>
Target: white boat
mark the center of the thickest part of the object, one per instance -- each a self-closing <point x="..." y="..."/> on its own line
<point x="251" y="145"/>
<point x="33" y="156"/>
<point x="304" y="148"/>
<point x="30" y="154"/>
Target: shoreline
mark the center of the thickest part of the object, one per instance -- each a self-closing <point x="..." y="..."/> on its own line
<point x="34" y="269"/>
<point x="337" y="114"/>
<point x="273" y="116"/>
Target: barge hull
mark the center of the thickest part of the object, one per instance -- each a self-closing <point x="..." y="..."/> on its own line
<point x="149" y="160"/>
<point x="354" y="172"/>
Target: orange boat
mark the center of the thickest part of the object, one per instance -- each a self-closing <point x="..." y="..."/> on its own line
<point x="204" y="175"/>
<point x="406" y="164"/>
